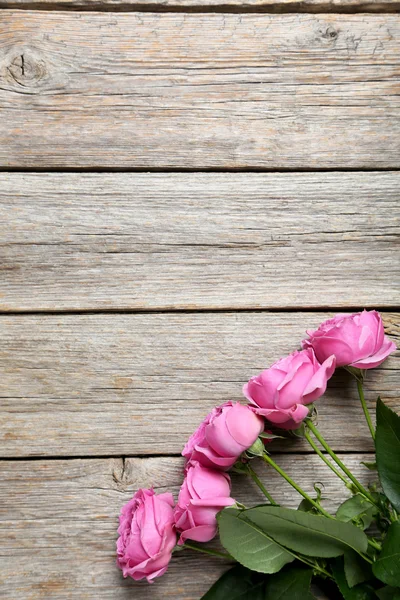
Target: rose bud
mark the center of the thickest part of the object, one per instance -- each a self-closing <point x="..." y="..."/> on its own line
<point x="225" y="433"/>
<point x="356" y="340"/>
<point x="203" y="494"/>
<point x="281" y="392"/>
<point x="146" y="535"/>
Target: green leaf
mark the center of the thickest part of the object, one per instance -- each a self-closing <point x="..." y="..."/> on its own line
<point x="371" y="466"/>
<point x="256" y="449"/>
<point x="388" y="593"/>
<point x="358" y="592"/>
<point x="238" y="584"/>
<point x="306" y="506"/>
<point x="250" y="547"/>
<point x="357" y="508"/>
<point x="292" y="583"/>
<point x="240" y="468"/>
<point x="387" y="566"/>
<point x="300" y="431"/>
<point x="268" y="435"/>
<point x="387" y="443"/>
<point x="356" y="569"/>
<point x="308" y="534"/>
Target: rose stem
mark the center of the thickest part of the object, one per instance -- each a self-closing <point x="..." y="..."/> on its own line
<point x="374" y="544"/>
<point x="337" y="460"/>
<point x="260" y="484"/>
<point x="298" y="489"/>
<point x="207" y="551"/>
<point x="321" y="455"/>
<point x="371" y="542"/>
<point x="364" y="407"/>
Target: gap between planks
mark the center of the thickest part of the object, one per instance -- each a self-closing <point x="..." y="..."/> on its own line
<point x="172" y="455"/>
<point x="188" y="170"/>
<point x="229" y="7"/>
<point x="228" y="310"/>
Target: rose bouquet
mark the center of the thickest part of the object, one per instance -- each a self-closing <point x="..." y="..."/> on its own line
<point x="279" y="552"/>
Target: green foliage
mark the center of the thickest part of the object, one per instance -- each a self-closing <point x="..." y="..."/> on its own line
<point x="356" y="569"/>
<point x="251" y="547"/>
<point x="357" y="509"/>
<point x="388" y="593"/>
<point x="256" y="449"/>
<point x="268" y="435"/>
<point x="387" y="443"/>
<point x="306" y="506"/>
<point x="292" y="583"/>
<point x="306" y="533"/>
<point x="238" y="583"/>
<point x="358" y="592"/>
<point x="387" y="566"/>
<point x="265" y="540"/>
<point x="371" y="466"/>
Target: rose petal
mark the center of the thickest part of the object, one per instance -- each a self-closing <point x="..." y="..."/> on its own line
<point x="377" y="359"/>
<point x="202" y="533"/>
<point x="317" y="385"/>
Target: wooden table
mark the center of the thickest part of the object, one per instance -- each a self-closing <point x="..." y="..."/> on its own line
<point x="185" y="187"/>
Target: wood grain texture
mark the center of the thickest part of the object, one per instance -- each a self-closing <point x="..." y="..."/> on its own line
<point x="58" y="523"/>
<point x="199" y="90"/>
<point x="241" y="5"/>
<point x="140" y="384"/>
<point x="162" y="241"/>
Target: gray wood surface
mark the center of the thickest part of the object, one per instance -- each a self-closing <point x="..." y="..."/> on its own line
<point x="140" y="384"/>
<point x="122" y="90"/>
<point x="161" y="241"/>
<point x="143" y="90"/>
<point x="58" y="522"/>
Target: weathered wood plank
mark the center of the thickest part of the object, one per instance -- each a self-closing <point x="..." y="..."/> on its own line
<point x="140" y="384"/>
<point x="199" y="90"/>
<point x="161" y="241"/>
<point x="261" y="5"/>
<point x="59" y="518"/>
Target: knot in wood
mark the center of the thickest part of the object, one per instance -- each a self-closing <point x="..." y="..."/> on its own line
<point x="25" y="70"/>
<point x="330" y="34"/>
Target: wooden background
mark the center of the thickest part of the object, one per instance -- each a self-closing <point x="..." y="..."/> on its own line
<point x="185" y="187"/>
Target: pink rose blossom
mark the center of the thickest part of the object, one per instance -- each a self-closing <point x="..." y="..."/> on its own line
<point x="356" y="340"/>
<point x="281" y="392"/>
<point x="146" y="535"/>
<point x="224" y="434"/>
<point x="203" y="494"/>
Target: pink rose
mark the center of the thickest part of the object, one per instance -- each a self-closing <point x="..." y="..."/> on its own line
<point x="203" y="494"/>
<point x="281" y="392"/>
<point x="146" y="535"/>
<point x="356" y="340"/>
<point x="224" y="434"/>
